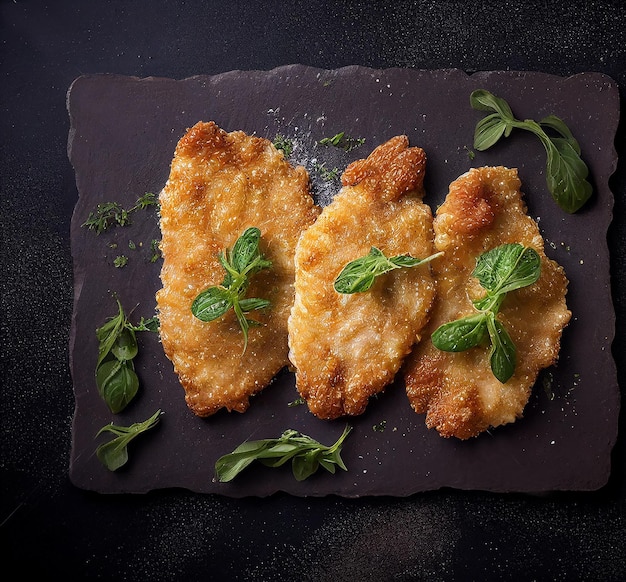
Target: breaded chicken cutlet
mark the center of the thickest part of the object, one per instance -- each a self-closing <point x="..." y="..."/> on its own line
<point x="457" y="390"/>
<point x="347" y="347"/>
<point x="221" y="184"/>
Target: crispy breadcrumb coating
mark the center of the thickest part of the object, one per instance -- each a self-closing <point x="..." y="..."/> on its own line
<point x="345" y="348"/>
<point x="220" y="184"/>
<point x="457" y="391"/>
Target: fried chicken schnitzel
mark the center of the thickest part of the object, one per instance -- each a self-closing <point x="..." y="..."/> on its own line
<point x="220" y="184"/>
<point x="457" y="390"/>
<point x="345" y="348"/>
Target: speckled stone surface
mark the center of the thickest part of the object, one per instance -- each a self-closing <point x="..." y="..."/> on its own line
<point x="123" y="133"/>
<point x="50" y="527"/>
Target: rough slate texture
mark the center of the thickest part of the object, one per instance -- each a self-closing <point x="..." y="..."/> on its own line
<point x="122" y="138"/>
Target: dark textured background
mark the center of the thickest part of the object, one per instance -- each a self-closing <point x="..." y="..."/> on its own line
<point x="49" y="527"/>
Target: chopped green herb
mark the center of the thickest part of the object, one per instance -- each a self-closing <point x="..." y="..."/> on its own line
<point x="120" y="261"/>
<point x="306" y="455"/>
<point x="114" y="454"/>
<point x="359" y="275"/>
<point x="566" y="172"/>
<point x="155" y="249"/>
<point x="499" y="271"/>
<point x="240" y="264"/>
<point x="284" y="144"/>
<point x="110" y="214"/>
<point x="297" y="402"/>
<point x="324" y="172"/>
<point x="342" y="141"/>
<point x="381" y="426"/>
<point x="470" y="153"/>
<point x="131" y="245"/>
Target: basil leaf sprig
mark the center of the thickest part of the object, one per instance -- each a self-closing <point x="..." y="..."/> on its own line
<point x="499" y="271"/>
<point x="116" y="378"/>
<point x="240" y="263"/>
<point x="359" y="275"/>
<point x="306" y="455"/>
<point x="566" y="172"/>
<point x="114" y="453"/>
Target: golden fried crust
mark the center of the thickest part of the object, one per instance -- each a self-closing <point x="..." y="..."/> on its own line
<point x="346" y="348"/>
<point x="457" y="391"/>
<point x="221" y="183"/>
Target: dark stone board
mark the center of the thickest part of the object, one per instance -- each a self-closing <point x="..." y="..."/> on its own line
<point x="122" y="138"/>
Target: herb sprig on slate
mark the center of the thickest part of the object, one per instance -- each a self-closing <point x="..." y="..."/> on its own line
<point x="359" y="275"/>
<point x="566" y="172"/>
<point x="306" y="455"/>
<point x="109" y="214"/>
<point x="116" y="378"/>
<point x="114" y="453"/>
<point x="240" y="263"/>
<point x="499" y="271"/>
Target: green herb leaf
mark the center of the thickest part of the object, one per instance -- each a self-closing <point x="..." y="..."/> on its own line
<point x="488" y="131"/>
<point x="245" y="252"/>
<point x="114" y="454"/>
<point x="306" y="455"/>
<point x="125" y="346"/>
<point x="499" y="271"/>
<point x="359" y="275"/>
<point x="566" y="172"/>
<point x="116" y="379"/>
<point x="108" y="333"/>
<point x="117" y="383"/>
<point x="507" y="267"/>
<point x="461" y="334"/>
<point x="558" y="125"/>
<point x="503" y="355"/>
<point x="240" y="264"/>
<point x="483" y="100"/>
<point x="566" y="175"/>
<point x="212" y="303"/>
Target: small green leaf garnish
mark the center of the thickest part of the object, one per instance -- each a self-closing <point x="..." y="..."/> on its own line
<point x="566" y="172"/>
<point x="110" y="214"/>
<point x="240" y="264"/>
<point x="114" y="454"/>
<point x="120" y="261"/>
<point x="284" y="144"/>
<point x="155" y="250"/>
<point x="326" y="174"/>
<point x="150" y="324"/>
<point x="297" y="402"/>
<point x="499" y="271"/>
<point x="306" y="455"/>
<point x="342" y="141"/>
<point x="115" y="372"/>
<point x="359" y="275"/>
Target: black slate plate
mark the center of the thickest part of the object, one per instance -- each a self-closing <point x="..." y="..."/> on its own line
<point x="122" y="138"/>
